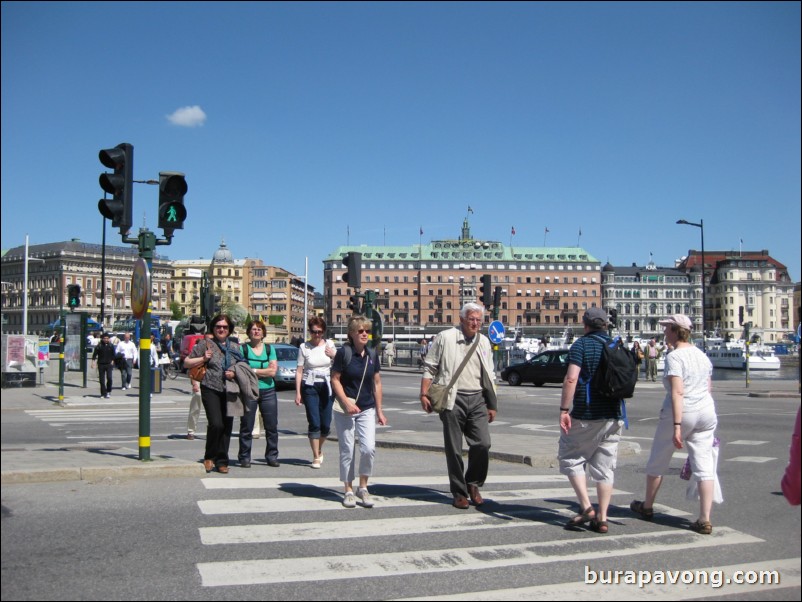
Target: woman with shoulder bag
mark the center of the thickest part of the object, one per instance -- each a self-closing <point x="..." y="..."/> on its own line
<point x="219" y="355"/>
<point x="357" y="389"/>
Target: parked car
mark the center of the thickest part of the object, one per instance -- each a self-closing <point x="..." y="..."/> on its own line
<point x="547" y="367"/>
<point x="287" y="357"/>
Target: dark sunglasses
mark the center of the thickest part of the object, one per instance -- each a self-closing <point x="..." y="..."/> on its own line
<point x="363" y="331"/>
<point x="317" y="331"/>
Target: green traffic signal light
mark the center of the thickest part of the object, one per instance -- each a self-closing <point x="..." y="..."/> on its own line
<point x="74" y="295"/>
<point x="172" y="213"/>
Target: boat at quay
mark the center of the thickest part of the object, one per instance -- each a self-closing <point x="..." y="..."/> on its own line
<point x="732" y="355"/>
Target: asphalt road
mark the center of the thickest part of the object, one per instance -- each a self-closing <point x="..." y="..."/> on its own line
<point x="277" y="534"/>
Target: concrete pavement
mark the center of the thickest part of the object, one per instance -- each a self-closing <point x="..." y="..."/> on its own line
<point x="34" y="462"/>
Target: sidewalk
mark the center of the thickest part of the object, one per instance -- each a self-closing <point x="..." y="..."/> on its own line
<point x="32" y="463"/>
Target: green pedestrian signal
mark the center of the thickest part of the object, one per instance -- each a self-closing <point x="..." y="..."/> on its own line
<point x="172" y="213"/>
<point x="74" y="295"/>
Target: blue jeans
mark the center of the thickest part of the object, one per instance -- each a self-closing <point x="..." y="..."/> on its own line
<point x="317" y="402"/>
<point x="268" y="406"/>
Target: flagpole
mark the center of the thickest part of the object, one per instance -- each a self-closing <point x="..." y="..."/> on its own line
<point x="578" y="237"/>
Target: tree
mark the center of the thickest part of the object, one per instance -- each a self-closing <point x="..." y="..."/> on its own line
<point x="177" y="312"/>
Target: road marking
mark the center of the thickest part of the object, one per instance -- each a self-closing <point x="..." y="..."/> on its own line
<point x="322" y="499"/>
<point x="326" y="482"/>
<point x="354" y="566"/>
<point x="317" y="531"/>
<point x="746" y="442"/>
<point x="756" y="459"/>
<point x="788" y="570"/>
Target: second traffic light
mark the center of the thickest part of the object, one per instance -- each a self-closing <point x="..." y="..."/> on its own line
<point x="74" y="295"/>
<point x="485" y="291"/>
<point x="353" y="270"/>
<point x="353" y="304"/>
<point x="118" y="184"/>
<point x="172" y="213"/>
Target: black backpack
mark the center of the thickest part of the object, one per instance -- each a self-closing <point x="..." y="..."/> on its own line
<point x="617" y="373"/>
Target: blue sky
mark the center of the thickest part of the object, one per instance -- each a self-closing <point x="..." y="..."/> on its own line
<point x="297" y="123"/>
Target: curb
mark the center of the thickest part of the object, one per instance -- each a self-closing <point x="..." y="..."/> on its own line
<point x="95" y="473"/>
<point x="786" y="394"/>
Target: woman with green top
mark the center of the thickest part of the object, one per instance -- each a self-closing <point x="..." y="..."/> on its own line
<point x="262" y="358"/>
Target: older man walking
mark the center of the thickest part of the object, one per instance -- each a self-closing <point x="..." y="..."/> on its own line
<point x="471" y="403"/>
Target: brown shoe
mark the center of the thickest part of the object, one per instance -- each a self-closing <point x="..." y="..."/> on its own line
<point x="222" y="469"/>
<point x="461" y="502"/>
<point x="208" y="465"/>
<point x="476" y="497"/>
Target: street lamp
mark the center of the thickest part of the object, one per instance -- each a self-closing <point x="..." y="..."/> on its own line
<point x="701" y="226"/>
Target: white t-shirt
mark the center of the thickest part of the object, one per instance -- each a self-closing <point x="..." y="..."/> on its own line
<point x="314" y="360"/>
<point x="695" y="370"/>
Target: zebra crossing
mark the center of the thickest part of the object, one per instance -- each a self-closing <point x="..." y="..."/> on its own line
<point x="528" y="511"/>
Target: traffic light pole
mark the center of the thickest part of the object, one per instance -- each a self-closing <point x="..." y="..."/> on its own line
<point x="147" y="242"/>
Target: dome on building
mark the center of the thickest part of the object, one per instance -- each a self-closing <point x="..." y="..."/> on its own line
<point x="223" y="254"/>
<point x="608" y="267"/>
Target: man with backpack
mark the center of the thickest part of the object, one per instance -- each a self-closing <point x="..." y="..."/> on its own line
<point x="590" y="415"/>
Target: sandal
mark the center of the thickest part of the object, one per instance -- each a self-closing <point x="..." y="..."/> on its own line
<point x="638" y="508"/>
<point x="599" y="526"/>
<point x="703" y="527"/>
<point x="588" y="514"/>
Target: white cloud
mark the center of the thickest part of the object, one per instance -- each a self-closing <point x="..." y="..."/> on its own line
<point x="188" y="117"/>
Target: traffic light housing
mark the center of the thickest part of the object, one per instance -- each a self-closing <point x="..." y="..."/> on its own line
<point x="613" y="317"/>
<point x="172" y="213"/>
<point x="485" y="291"/>
<point x="119" y="185"/>
<point x="74" y="295"/>
<point x="497" y="297"/>
<point x="353" y="304"/>
<point x="741" y="315"/>
<point x="353" y="270"/>
<point x="217" y="307"/>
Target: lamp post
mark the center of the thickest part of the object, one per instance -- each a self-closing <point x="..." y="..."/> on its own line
<point x="701" y="226"/>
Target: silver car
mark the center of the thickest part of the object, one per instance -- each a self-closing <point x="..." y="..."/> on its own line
<point x="287" y="357"/>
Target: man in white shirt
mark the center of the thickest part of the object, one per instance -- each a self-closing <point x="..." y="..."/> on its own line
<point x="128" y="350"/>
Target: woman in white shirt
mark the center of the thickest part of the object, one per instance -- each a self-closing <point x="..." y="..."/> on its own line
<point x="687" y="419"/>
<point x="313" y="386"/>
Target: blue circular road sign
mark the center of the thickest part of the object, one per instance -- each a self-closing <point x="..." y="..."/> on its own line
<point x="495" y="332"/>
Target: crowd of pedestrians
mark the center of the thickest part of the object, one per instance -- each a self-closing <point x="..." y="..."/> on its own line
<point x="344" y="385"/>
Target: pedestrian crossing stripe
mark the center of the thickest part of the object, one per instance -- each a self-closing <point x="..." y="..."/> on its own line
<point x="314" y="531"/>
<point x="331" y="482"/>
<point x="354" y="566"/>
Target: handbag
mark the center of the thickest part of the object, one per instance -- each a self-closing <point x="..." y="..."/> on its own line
<point x="438" y="394"/>
<point x="198" y="372"/>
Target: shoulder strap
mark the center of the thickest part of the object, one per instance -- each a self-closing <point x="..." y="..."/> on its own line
<point x="464" y="363"/>
<point x="348" y="353"/>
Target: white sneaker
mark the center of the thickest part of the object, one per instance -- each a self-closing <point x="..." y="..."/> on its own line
<point x="349" y="501"/>
<point x="108" y="396"/>
<point x="316" y="463"/>
<point x="364" y="495"/>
